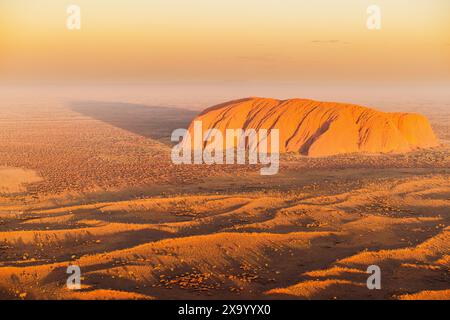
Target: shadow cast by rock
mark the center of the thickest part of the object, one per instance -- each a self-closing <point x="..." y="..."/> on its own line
<point x="148" y="121"/>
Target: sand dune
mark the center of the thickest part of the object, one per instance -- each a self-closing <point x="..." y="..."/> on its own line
<point x="305" y="245"/>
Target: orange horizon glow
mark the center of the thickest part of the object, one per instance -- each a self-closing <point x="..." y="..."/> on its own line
<point x="234" y="40"/>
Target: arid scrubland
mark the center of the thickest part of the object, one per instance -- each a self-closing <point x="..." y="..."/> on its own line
<point x="92" y="184"/>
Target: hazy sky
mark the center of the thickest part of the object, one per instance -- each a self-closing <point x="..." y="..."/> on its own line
<point x="232" y="40"/>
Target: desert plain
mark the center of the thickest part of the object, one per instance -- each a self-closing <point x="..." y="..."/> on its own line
<point x="90" y="182"/>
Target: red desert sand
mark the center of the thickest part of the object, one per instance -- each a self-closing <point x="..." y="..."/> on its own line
<point x="92" y="184"/>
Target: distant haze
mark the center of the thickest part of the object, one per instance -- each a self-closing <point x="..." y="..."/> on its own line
<point x="201" y="40"/>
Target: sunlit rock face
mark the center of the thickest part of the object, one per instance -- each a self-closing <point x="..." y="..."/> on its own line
<point x="317" y="129"/>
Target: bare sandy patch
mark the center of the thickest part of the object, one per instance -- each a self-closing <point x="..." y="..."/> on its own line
<point x="14" y="180"/>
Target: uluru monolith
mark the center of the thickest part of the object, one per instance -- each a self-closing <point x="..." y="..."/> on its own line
<point x="317" y="129"/>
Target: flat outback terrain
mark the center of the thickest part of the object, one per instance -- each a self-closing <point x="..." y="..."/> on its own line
<point x="90" y="182"/>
